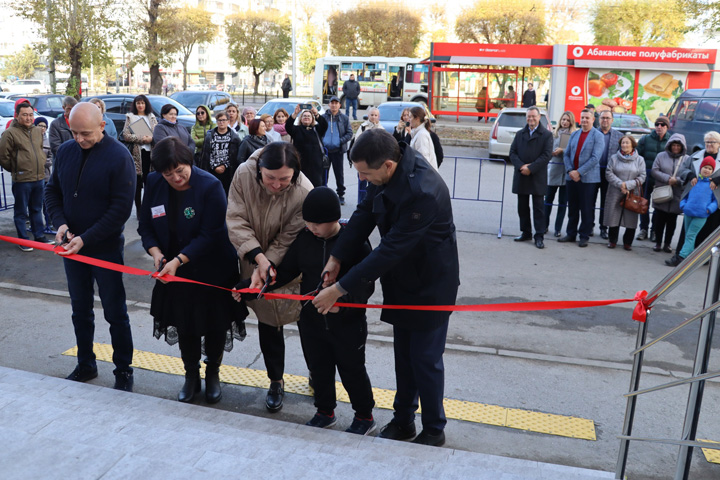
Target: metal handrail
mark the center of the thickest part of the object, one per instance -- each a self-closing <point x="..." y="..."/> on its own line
<point x="707" y="250"/>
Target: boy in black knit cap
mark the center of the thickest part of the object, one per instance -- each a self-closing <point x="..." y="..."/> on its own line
<point x="338" y="338"/>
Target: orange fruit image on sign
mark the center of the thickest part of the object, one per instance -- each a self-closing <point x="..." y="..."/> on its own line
<point x="596" y="87"/>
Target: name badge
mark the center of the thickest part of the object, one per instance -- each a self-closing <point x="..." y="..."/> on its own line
<point x="158" y="211"/>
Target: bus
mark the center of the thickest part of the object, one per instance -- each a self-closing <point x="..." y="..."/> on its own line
<point x="382" y="79"/>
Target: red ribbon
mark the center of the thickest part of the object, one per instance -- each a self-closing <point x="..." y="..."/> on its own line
<point x="639" y="313"/>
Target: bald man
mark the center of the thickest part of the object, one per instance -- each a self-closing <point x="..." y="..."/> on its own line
<point x="89" y="199"/>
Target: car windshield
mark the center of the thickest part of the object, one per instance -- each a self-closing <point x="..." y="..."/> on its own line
<point x="192" y="99"/>
<point x="629" y="122"/>
<point x="271" y="107"/>
<point x="517" y="120"/>
<point x="391" y="113"/>
<point x="7" y="109"/>
<point x="158" y="102"/>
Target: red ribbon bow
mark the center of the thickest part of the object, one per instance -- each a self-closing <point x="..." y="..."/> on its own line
<point x="641" y="309"/>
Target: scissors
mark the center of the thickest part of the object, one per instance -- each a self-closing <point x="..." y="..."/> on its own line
<point x="317" y="289"/>
<point x="162" y="264"/>
<point x="65" y="237"/>
<point x="268" y="278"/>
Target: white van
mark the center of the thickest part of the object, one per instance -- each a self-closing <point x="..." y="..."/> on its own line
<point x="28" y="86"/>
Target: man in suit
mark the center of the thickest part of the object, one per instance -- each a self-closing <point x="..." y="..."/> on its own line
<point x="612" y="145"/>
<point x="530" y="153"/>
<point x="582" y="164"/>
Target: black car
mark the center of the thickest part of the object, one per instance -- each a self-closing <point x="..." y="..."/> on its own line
<point x="215" y="100"/>
<point x="118" y="104"/>
<point x="48" y="105"/>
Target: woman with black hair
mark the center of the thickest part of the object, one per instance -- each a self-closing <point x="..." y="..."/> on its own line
<point x="256" y="140"/>
<point x="264" y="215"/>
<point x="182" y="226"/>
<point x="139" y="145"/>
<point x="169" y="127"/>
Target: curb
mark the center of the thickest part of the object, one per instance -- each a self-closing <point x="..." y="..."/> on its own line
<point x="457" y="142"/>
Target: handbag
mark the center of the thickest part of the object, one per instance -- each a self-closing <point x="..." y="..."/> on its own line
<point x="664" y="193"/>
<point x="636" y="203"/>
<point x="323" y="150"/>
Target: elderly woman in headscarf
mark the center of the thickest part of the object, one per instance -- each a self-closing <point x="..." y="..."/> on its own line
<point x="307" y="137"/>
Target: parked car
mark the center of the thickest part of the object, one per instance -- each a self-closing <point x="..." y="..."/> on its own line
<point x="49" y="105"/>
<point x="7" y="113"/>
<point x="390" y="113"/>
<point x="118" y="104"/>
<point x="694" y="113"/>
<point x="214" y="99"/>
<point x="288" y="104"/>
<point x="28" y="86"/>
<point x="628" y="123"/>
<point x="509" y="121"/>
<point x="198" y="87"/>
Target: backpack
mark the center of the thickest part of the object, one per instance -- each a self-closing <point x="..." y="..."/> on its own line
<point x="438" y="148"/>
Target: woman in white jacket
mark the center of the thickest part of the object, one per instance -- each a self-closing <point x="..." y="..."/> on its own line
<point x="420" y="134"/>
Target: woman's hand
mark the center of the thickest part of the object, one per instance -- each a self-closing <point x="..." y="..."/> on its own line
<point x="297" y="110"/>
<point x="672" y="181"/>
<point x="147" y="139"/>
<point x="263" y="264"/>
<point x="220" y="169"/>
<point x="713" y="186"/>
<point x="623" y="188"/>
<point x="557" y="151"/>
<point x="157" y="257"/>
<point x="314" y="112"/>
<point x="170" y="268"/>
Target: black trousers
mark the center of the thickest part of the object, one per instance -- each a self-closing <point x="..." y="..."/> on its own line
<point x="190" y="349"/>
<point x="341" y="345"/>
<point x="272" y="346"/>
<point x="420" y="373"/>
<point x="538" y="213"/>
<point x="664" y="222"/>
<point x="602" y="188"/>
<point x="336" y="160"/>
<point x="614" y="233"/>
<point x="581" y="205"/>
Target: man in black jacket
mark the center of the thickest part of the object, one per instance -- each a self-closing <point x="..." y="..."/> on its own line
<point x="351" y="91"/>
<point x="286" y="86"/>
<point x="530" y="154"/>
<point x="528" y="98"/>
<point x="417" y="262"/>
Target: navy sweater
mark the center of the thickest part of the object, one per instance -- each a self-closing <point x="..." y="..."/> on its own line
<point x="94" y="199"/>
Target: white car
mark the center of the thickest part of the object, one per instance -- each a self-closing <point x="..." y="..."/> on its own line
<point x="288" y="104"/>
<point x="509" y="121"/>
<point x="28" y="86"/>
<point x="7" y="113"/>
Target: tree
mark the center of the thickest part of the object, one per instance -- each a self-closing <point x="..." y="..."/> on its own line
<point x="259" y="39"/>
<point x="78" y="31"/>
<point x="159" y="39"/>
<point x="22" y="64"/>
<point x="703" y="15"/>
<point x="192" y="26"/>
<point x="435" y="29"/>
<point x="311" y="48"/>
<point x="638" y="23"/>
<point x="564" y="17"/>
<point x="375" y="30"/>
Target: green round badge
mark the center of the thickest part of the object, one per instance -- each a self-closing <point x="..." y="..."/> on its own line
<point x="189" y="213"/>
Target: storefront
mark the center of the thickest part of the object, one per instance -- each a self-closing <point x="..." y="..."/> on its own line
<point x="640" y="80"/>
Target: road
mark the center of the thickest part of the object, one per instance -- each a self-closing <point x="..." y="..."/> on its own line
<point x="565" y="362"/>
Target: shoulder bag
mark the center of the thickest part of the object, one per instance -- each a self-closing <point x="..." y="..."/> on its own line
<point x="664" y="193"/>
<point x="636" y="202"/>
<point x="323" y="150"/>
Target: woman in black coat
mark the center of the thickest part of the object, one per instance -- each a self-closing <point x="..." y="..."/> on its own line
<point x="307" y="138"/>
<point x="220" y="151"/>
<point x="255" y="141"/>
<point x="182" y="226"/>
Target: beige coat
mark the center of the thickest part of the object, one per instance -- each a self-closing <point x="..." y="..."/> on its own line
<point x="258" y="218"/>
<point x="133" y="140"/>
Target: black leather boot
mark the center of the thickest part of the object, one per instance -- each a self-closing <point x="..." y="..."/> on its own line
<point x="191" y="386"/>
<point x="213" y="393"/>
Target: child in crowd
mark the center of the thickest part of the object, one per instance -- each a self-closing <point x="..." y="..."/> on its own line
<point x="337" y="339"/>
<point x="697" y="204"/>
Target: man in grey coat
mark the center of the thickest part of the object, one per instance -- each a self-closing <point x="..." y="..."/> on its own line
<point x="530" y="153"/>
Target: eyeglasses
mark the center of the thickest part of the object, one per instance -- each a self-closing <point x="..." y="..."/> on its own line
<point x="201" y="112"/>
<point x="660" y="124"/>
<point x="218" y="120"/>
<point x="710" y="142"/>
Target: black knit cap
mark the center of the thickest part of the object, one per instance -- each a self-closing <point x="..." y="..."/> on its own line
<point x="321" y="205"/>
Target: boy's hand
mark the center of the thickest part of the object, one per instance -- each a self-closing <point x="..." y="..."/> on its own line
<point x="325" y="300"/>
<point x="332" y="267"/>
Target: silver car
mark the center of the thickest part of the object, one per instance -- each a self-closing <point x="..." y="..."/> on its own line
<point x="509" y="122"/>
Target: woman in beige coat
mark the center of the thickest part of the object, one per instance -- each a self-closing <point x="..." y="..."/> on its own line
<point x="264" y="216"/>
<point x="139" y="145"/>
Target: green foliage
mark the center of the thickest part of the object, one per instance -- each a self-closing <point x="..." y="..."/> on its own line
<point x="191" y="26"/>
<point x="502" y="21"/>
<point x="311" y="48"/>
<point x="375" y="30"/>
<point x="260" y="40"/>
<point x="638" y="23"/>
<point x="22" y="64"/>
<point x="703" y="16"/>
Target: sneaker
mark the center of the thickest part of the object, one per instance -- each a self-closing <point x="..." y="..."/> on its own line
<point x="124" y="381"/>
<point x="362" y="426"/>
<point x="49" y="231"/>
<point x="395" y="431"/>
<point x="25" y="249"/>
<point x="653" y="236"/>
<point x="342" y="200"/>
<point x="431" y="439"/>
<point x="82" y="374"/>
<point x="320" y="420"/>
<point x="642" y="235"/>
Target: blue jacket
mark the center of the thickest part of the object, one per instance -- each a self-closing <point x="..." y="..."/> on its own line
<point x="338" y="133"/>
<point x="94" y="199"/>
<point x="700" y="200"/>
<point x="201" y="232"/>
<point x="417" y="258"/>
<point x="110" y="127"/>
<point x="589" y="162"/>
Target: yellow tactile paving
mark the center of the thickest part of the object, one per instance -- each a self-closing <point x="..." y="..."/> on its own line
<point x="711" y="455"/>
<point x="550" y="424"/>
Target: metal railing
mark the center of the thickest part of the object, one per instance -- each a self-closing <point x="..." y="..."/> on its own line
<point x="708" y="250"/>
<point x="4" y="205"/>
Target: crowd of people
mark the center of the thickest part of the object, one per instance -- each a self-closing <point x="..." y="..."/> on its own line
<point x="577" y="164"/>
<point x="241" y="202"/>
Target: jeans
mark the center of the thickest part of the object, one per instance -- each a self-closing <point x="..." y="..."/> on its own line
<point x="581" y="207"/>
<point x="80" y="278"/>
<point x="562" y="205"/>
<point x="351" y="102"/>
<point x="28" y="195"/>
<point x="693" y="225"/>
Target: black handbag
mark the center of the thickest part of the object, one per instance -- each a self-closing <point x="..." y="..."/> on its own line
<point x="323" y="150"/>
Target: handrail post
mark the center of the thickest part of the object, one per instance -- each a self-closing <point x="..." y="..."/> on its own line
<point x="700" y="366"/>
<point x="632" y="400"/>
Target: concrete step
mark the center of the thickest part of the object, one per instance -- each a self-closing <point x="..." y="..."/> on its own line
<point x="54" y="428"/>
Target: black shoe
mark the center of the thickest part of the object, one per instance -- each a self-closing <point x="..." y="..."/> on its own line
<point x="653" y="236"/>
<point x="362" y="426"/>
<point x="124" y="381"/>
<point x="539" y="243"/>
<point x="342" y="200"/>
<point x="557" y="233"/>
<point x="566" y="239"/>
<point x="603" y="233"/>
<point x="190" y="387"/>
<point x="523" y="238"/>
<point x="82" y="374"/>
<point x="434" y="440"/>
<point x="320" y="420"/>
<point x="583" y="243"/>
<point x="275" y="395"/>
<point x="213" y="393"/>
<point x="395" y="431"/>
<point x="674" y="261"/>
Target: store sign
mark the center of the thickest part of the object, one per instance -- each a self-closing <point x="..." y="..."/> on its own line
<point x="541" y="52"/>
<point x="642" y="54"/>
